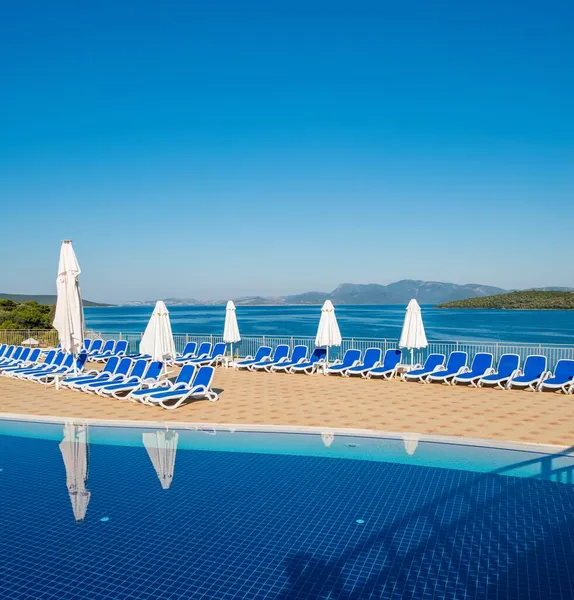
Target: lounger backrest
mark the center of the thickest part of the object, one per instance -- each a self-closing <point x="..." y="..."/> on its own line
<point x="318" y="354"/>
<point x="433" y="361"/>
<point x="25" y="353"/>
<point x="204" y="377"/>
<point x="507" y="364"/>
<point x="372" y="356"/>
<point x="59" y="359"/>
<point x="87" y="344"/>
<point x="2" y="350"/>
<point x="282" y="351"/>
<point x="69" y="361"/>
<point x="205" y="348"/>
<point x="111" y="365"/>
<point x="17" y="352"/>
<point x="262" y="352"/>
<point x="186" y="374"/>
<point x="392" y="358"/>
<point x="34" y="355"/>
<point x="456" y="361"/>
<point x="9" y="351"/>
<point x="81" y="360"/>
<point x="139" y="368"/>
<point x="121" y="347"/>
<point x="108" y="346"/>
<point x="96" y="346"/>
<point x="299" y="352"/>
<point x="534" y="366"/>
<point x="351" y="356"/>
<point x="49" y="357"/>
<point x="154" y="370"/>
<point x="189" y="349"/>
<point x="481" y="362"/>
<point x="218" y="350"/>
<point x="564" y="369"/>
<point x="124" y="366"/>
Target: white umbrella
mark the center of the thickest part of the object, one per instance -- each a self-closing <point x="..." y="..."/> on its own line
<point x="30" y="342"/>
<point x="69" y="315"/>
<point x="157" y="340"/>
<point x="231" y="329"/>
<point x="74" y="449"/>
<point x="161" y="447"/>
<point x="328" y="333"/>
<point x="413" y="333"/>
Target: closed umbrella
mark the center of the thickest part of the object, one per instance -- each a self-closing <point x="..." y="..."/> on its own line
<point x="413" y="334"/>
<point x="69" y="315"/>
<point x="157" y="340"/>
<point x="231" y="329"/>
<point x="328" y="333"/>
<point x="74" y="449"/>
<point x="161" y="447"/>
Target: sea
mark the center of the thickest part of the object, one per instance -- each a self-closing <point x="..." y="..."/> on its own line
<point x="371" y="322"/>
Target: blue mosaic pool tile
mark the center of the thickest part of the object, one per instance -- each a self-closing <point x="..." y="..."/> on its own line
<point x="237" y="526"/>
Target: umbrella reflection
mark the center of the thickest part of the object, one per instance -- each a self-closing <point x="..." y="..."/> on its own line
<point x="411" y="441"/>
<point x="161" y="447"/>
<point x="328" y="438"/>
<point x="74" y="449"/>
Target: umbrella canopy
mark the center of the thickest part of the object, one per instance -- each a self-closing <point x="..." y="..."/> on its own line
<point x="161" y="447"/>
<point x="231" y="329"/>
<point x="69" y="315"/>
<point x="413" y="333"/>
<point x="328" y="333"/>
<point x="74" y="449"/>
<point x="30" y="342"/>
<point x="157" y="340"/>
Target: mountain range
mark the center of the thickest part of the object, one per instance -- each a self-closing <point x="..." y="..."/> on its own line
<point x="42" y="299"/>
<point x="400" y="292"/>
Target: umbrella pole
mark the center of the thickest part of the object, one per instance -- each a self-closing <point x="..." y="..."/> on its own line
<point x="412" y="357"/>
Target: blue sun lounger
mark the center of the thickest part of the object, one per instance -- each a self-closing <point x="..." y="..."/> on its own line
<point x="187" y="354"/>
<point x="280" y="355"/>
<point x="263" y="354"/>
<point x="199" y="389"/>
<point x="299" y="355"/>
<point x="317" y="360"/>
<point x="120" y="375"/>
<point x="562" y="380"/>
<point x="29" y="361"/>
<point x="71" y="364"/>
<point x="203" y="352"/>
<point x="531" y="375"/>
<point x="122" y="390"/>
<point x="419" y="373"/>
<point x="371" y="359"/>
<point x="15" y="355"/>
<point x="183" y="380"/>
<point x="388" y="369"/>
<point x="59" y="358"/>
<point x="508" y="367"/>
<point x="134" y="376"/>
<point x="15" y="372"/>
<point x="481" y="366"/>
<point x="93" y="375"/>
<point x="96" y="347"/>
<point x="352" y="357"/>
<point x="455" y="365"/>
<point x="214" y="358"/>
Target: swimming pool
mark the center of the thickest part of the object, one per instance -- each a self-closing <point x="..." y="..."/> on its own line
<point x="250" y="514"/>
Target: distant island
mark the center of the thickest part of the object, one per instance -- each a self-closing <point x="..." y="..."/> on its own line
<point x="524" y="300"/>
<point x="400" y="292"/>
<point x="43" y="299"/>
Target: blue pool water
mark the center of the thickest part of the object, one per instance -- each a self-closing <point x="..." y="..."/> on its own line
<point x="254" y="515"/>
<point x="374" y="322"/>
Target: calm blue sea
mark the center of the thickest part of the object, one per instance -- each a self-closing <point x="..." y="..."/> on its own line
<point x="536" y="326"/>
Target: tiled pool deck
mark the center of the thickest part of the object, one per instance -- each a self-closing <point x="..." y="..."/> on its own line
<point x="330" y="402"/>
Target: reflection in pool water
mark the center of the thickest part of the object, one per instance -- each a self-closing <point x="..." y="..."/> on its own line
<point x="182" y="514"/>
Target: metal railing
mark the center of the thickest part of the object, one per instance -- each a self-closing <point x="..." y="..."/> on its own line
<point x="250" y="343"/>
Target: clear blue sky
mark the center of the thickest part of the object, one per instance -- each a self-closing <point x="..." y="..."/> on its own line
<point x="216" y="149"/>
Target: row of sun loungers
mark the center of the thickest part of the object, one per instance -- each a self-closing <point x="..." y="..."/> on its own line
<point x="533" y="376"/>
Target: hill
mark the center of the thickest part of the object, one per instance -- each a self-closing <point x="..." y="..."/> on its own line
<point x="525" y="300"/>
<point x="42" y="299"/>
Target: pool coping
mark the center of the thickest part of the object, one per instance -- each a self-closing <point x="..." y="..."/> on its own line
<point x="233" y="427"/>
